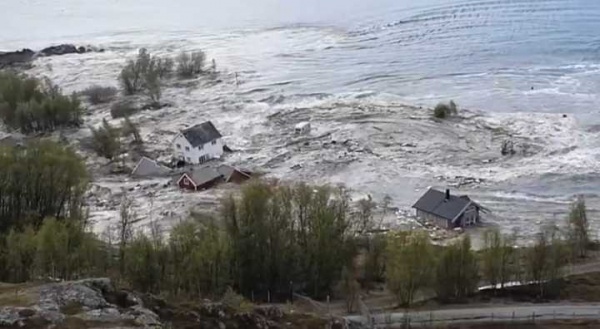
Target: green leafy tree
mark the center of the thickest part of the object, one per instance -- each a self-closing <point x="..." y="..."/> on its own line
<point x="142" y="267"/>
<point x="457" y="271"/>
<point x="544" y="261"/>
<point x="283" y="234"/>
<point x="408" y="267"/>
<point x="498" y="258"/>
<point x="42" y="180"/>
<point x="19" y="255"/>
<point x="31" y="105"/>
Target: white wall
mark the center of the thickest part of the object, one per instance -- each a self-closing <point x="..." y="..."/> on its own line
<point x="194" y="154"/>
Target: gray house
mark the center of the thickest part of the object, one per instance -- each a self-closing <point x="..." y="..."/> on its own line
<point x="149" y="168"/>
<point x="447" y="211"/>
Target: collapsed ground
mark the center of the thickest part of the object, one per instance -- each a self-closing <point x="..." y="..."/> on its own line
<point x="373" y="146"/>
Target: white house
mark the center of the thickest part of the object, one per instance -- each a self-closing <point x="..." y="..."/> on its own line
<point x="198" y="144"/>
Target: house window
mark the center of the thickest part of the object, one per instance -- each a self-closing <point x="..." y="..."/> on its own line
<point x="187" y="148"/>
<point x="188" y="159"/>
<point x="214" y="142"/>
<point x="178" y="146"/>
<point x="200" y="147"/>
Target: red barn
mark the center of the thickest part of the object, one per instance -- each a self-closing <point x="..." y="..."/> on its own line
<point x="200" y="179"/>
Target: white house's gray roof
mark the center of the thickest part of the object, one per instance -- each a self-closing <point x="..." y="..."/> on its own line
<point x="148" y="167"/>
<point x="201" y="134"/>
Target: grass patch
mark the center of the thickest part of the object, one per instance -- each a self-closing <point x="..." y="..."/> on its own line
<point x="583" y="287"/>
<point x="16" y="295"/>
<point x="71" y="308"/>
<point x="15" y="300"/>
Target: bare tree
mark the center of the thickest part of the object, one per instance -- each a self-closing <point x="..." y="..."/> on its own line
<point x="349" y="287"/>
<point x="497" y="257"/>
<point x="365" y="214"/>
<point x="127" y="216"/>
<point x="578" y="228"/>
<point x="128" y="128"/>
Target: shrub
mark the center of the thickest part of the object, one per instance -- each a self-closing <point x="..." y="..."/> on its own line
<point x="32" y="105"/>
<point x="236" y="302"/>
<point x="190" y="65"/>
<point x="443" y="110"/>
<point x="106" y="140"/>
<point x="164" y="67"/>
<point x="99" y="95"/>
<point x="123" y="109"/>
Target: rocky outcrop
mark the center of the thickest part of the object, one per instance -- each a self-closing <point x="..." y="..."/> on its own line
<point x="16" y="58"/>
<point x="65" y="49"/>
<point x="23" y="58"/>
<point x="96" y="303"/>
<point x="84" y="304"/>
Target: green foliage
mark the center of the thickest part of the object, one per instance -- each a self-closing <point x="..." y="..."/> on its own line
<point x="409" y="262"/>
<point x="99" y="95"/>
<point x="144" y="74"/>
<point x="236" y="302"/>
<point x="106" y="140"/>
<point x="578" y="228"/>
<point x="20" y="255"/>
<point x="375" y="253"/>
<point x="457" y="271"/>
<point x="349" y="287"/>
<point x="123" y="109"/>
<point x="60" y="249"/>
<point x="42" y="180"/>
<point x="443" y="110"/>
<point x="142" y="268"/>
<point x="201" y="252"/>
<point x="281" y="234"/>
<point x="31" y="105"/>
<point x="191" y="65"/>
<point x="544" y="260"/>
<point x="498" y="258"/>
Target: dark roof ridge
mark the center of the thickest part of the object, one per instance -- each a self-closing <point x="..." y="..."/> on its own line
<point x="201" y="133"/>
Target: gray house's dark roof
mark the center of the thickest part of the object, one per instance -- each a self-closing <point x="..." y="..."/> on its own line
<point x="201" y="134"/>
<point x="148" y="167"/>
<point x="434" y="202"/>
